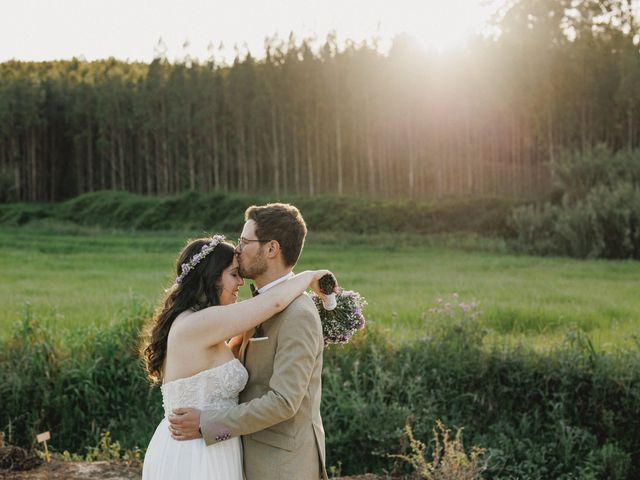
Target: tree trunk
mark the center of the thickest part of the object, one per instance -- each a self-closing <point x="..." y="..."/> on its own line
<point x="310" y="178"/>
<point x="339" y="155"/>
<point x="275" y="152"/>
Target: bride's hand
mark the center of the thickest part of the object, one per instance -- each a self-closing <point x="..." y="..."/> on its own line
<point x="315" y="284"/>
<point x="234" y="344"/>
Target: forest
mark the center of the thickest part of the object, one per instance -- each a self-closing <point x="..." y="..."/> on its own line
<point x="313" y="117"/>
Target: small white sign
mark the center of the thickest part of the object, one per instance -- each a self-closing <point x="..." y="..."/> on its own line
<point x="42" y="438"/>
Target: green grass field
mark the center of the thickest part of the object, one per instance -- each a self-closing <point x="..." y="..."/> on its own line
<point x="84" y="276"/>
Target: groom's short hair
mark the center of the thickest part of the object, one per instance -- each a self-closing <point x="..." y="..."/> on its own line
<point x="281" y="222"/>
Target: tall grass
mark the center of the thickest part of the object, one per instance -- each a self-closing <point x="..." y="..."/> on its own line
<point x="77" y="382"/>
<point x="86" y="276"/>
<point x="567" y="413"/>
<point x="561" y="414"/>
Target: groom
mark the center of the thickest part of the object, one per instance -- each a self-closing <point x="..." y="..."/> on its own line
<point x="279" y="414"/>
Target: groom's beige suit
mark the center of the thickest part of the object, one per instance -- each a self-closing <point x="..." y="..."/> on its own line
<point x="279" y="414"/>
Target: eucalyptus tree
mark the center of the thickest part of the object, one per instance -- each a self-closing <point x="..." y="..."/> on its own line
<point x="332" y="117"/>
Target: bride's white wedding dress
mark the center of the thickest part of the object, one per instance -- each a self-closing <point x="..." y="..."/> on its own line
<point x="210" y="389"/>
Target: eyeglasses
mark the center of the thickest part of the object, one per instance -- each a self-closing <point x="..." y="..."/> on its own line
<point x="243" y="242"/>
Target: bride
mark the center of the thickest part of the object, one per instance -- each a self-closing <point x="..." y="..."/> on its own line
<point x="187" y="353"/>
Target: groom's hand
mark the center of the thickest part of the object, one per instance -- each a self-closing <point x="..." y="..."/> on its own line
<point x="184" y="424"/>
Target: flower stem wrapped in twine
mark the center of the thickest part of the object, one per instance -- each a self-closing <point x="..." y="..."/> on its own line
<point x="327" y="285"/>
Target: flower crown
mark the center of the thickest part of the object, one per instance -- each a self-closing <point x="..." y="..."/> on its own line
<point x="197" y="258"/>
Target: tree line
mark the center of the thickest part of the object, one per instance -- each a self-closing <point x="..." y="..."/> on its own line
<point x="313" y="118"/>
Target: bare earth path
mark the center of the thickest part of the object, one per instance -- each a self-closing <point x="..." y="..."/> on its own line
<point x="102" y="471"/>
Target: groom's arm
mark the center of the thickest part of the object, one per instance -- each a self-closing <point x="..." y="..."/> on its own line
<point x="299" y="344"/>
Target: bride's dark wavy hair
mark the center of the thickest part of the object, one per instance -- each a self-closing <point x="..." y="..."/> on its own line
<point x="197" y="290"/>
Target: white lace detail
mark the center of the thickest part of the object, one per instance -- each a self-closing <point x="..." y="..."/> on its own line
<point x="211" y="389"/>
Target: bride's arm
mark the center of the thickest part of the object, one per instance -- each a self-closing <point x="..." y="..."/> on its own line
<point x="213" y="325"/>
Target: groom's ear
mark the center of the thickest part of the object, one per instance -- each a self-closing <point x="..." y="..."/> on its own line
<point x="273" y="249"/>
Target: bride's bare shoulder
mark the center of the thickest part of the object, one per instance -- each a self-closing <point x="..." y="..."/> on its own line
<point x="180" y="324"/>
<point x="192" y="322"/>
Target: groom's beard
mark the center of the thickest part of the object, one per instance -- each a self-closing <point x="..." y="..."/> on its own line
<point x="253" y="269"/>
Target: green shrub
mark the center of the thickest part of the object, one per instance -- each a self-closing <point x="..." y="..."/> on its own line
<point x="105" y="208"/>
<point x="225" y="212"/>
<point x="566" y="413"/>
<point x="76" y="383"/>
<point x="577" y="173"/>
<point x="538" y="415"/>
<point x="598" y="214"/>
<point x="18" y="214"/>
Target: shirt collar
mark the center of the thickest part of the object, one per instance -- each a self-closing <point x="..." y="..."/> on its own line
<point x="275" y="282"/>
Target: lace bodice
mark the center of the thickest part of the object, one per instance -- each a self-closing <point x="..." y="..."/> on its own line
<point x="211" y="389"/>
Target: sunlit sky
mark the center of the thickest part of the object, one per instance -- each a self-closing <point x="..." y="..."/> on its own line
<point x="130" y="29"/>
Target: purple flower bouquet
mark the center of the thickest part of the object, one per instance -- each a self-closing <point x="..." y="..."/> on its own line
<point x="340" y="323"/>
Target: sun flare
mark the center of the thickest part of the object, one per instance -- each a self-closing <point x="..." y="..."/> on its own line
<point x="438" y="25"/>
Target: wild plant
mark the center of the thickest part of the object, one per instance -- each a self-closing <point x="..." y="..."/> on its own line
<point x="449" y="459"/>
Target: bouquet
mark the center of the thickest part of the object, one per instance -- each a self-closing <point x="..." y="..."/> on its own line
<point x="345" y="318"/>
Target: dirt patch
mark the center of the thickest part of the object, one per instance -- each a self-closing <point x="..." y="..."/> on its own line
<point x="368" y="476"/>
<point x="57" y="470"/>
<point x="76" y="471"/>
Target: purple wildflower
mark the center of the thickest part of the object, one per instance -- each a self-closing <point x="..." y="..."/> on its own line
<point x="340" y="324"/>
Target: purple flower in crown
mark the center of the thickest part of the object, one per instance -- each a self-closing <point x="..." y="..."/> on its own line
<point x="206" y="249"/>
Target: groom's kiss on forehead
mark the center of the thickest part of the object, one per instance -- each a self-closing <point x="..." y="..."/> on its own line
<point x="270" y="243"/>
<point x="251" y="252"/>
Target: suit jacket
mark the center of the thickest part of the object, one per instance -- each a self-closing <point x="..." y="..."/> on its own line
<point x="279" y="414"/>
